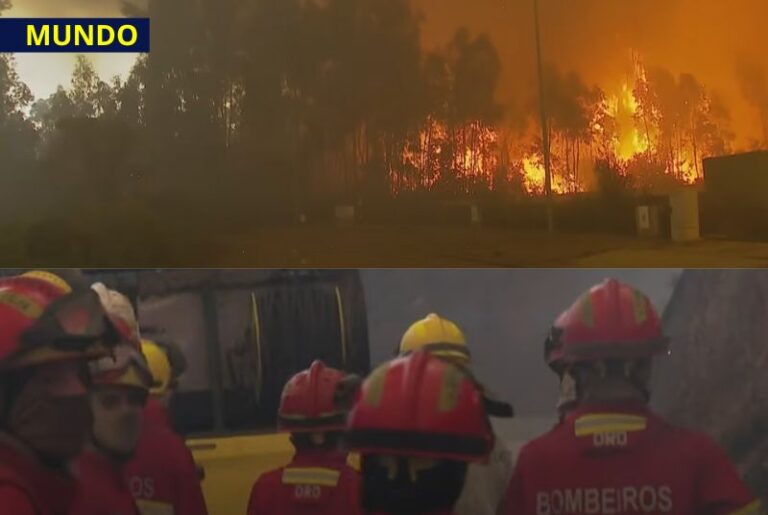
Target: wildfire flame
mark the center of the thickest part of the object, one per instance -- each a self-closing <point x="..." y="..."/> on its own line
<point x="533" y="176"/>
<point x="630" y="140"/>
<point x="469" y="156"/>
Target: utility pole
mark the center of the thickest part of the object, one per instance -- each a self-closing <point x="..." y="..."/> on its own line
<point x="544" y="123"/>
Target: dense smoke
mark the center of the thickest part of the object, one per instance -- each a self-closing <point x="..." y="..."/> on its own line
<point x="596" y="37"/>
<point x="591" y="37"/>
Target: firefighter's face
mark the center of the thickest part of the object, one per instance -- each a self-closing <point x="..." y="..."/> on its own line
<point x="51" y="412"/>
<point x="117" y="417"/>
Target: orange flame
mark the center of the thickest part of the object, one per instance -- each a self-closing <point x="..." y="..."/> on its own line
<point x="630" y="140"/>
<point x="533" y="176"/>
<point x="619" y="130"/>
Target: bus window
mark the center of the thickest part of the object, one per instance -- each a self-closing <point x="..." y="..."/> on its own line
<point x="245" y="407"/>
<point x="179" y="318"/>
<point x="271" y="331"/>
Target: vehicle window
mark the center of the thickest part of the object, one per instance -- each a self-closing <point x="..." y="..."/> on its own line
<point x="258" y="336"/>
<point x="179" y="318"/>
<point x="244" y="403"/>
<point x="269" y="333"/>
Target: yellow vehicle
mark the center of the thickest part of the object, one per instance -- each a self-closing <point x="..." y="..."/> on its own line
<point x="244" y="333"/>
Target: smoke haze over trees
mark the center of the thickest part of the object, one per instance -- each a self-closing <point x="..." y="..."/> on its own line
<point x="287" y="106"/>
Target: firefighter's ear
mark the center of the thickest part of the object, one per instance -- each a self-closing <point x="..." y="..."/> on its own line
<point x="346" y="389"/>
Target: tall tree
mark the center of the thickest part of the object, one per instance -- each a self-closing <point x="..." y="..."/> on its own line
<point x="17" y="134"/>
<point x="689" y="124"/>
<point x="130" y="94"/>
<point x="84" y="88"/>
<point x="18" y="139"/>
<point x="47" y="112"/>
<point x="573" y="109"/>
<point x="754" y="88"/>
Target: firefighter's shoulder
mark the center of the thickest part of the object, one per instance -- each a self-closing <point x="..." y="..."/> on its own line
<point x="552" y="441"/>
<point x="16" y="500"/>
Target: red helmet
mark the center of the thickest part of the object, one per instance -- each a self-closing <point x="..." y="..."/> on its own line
<point x="610" y="321"/>
<point x="309" y="401"/>
<point x="420" y="405"/>
<point x="43" y="320"/>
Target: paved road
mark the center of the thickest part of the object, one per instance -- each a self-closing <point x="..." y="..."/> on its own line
<point x="466" y="246"/>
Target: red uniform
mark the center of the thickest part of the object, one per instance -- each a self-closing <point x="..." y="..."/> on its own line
<point x="430" y="513"/>
<point x="625" y="461"/>
<point x="28" y="488"/>
<point x="315" y="482"/>
<point x="103" y="489"/>
<point x="162" y="475"/>
<point x="155" y="414"/>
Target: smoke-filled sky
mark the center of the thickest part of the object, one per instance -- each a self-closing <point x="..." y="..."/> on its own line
<point x="505" y="314"/>
<point x="596" y="37"/>
<point x="593" y="37"/>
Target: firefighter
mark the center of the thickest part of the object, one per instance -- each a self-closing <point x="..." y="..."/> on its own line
<point x="119" y="390"/>
<point x="162" y="475"/>
<point x="167" y="363"/>
<point x="48" y="330"/>
<point x="610" y="453"/>
<point x="485" y="488"/>
<point x="417" y="422"/>
<point x="318" y="480"/>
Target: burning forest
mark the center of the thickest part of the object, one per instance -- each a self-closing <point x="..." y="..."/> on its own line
<point x="653" y="130"/>
<point x="288" y="103"/>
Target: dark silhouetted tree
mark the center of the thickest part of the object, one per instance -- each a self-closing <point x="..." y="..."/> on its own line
<point x="573" y="109"/>
<point x="754" y="87"/>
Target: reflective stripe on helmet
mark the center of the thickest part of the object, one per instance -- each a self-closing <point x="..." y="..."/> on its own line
<point x="21" y="303"/>
<point x="49" y="278"/>
<point x="640" y="311"/>
<point x="310" y="476"/>
<point x="375" y="386"/>
<point x="587" y="311"/>
<point x="449" y="392"/>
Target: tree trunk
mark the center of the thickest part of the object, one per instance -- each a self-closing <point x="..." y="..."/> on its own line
<point x="695" y="148"/>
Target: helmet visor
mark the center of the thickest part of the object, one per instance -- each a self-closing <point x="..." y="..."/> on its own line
<point x="74" y="322"/>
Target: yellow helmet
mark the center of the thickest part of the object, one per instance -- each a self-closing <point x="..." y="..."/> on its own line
<point x="159" y="365"/>
<point x="438" y="336"/>
<point x="125" y="367"/>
